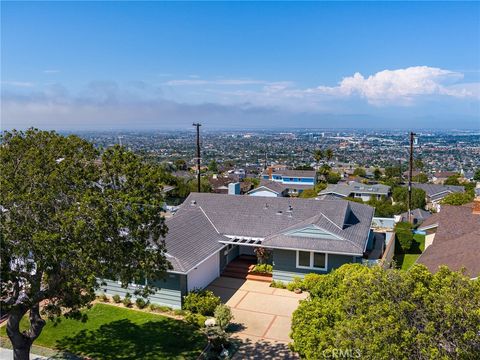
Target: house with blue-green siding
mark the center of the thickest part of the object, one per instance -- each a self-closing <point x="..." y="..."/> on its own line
<point x="211" y="230"/>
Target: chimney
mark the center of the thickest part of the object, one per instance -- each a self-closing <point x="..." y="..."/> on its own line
<point x="476" y="206"/>
<point x="270" y="173"/>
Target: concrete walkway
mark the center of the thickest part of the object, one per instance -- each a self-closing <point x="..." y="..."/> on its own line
<point x="7" y="354"/>
<point x="262" y="316"/>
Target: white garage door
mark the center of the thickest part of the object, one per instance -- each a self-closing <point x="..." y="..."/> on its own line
<point x="204" y="273"/>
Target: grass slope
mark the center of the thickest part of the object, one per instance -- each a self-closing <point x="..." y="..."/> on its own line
<point x="405" y="261"/>
<point x="117" y="333"/>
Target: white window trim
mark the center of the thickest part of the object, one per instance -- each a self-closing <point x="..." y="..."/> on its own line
<point x="311" y="267"/>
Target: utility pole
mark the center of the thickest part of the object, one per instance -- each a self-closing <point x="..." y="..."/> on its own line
<point x="197" y="125"/>
<point x="410" y="173"/>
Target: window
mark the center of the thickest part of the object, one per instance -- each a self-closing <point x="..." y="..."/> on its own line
<point x="304" y="258"/>
<point x="311" y="260"/>
<point x="319" y="260"/>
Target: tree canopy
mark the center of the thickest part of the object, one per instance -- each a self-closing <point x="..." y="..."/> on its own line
<point x="389" y="314"/>
<point x="476" y="176"/>
<point x="360" y="172"/>
<point x="420" y="178"/>
<point x="400" y="194"/>
<point x="458" y="198"/>
<point x="453" y="180"/>
<point x="71" y="215"/>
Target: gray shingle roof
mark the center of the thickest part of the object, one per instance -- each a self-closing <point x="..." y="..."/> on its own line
<point x="437" y="192"/>
<point x="419" y="214"/>
<point x="356" y="187"/>
<point x="269" y="218"/>
<point x="271" y="185"/>
<point x="191" y="238"/>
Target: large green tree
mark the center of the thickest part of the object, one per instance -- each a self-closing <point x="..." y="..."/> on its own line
<point x="400" y="195"/>
<point x="69" y="216"/>
<point x="372" y="313"/>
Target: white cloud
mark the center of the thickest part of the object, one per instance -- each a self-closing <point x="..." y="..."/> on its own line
<point x="401" y="86"/>
<point x="24" y="84"/>
<point x="193" y="82"/>
<point x="51" y="71"/>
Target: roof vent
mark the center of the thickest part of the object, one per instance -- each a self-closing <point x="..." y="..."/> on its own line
<point x="193" y="203"/>
<point x="279" y="212"/>
<point x="266" y="206"/>
<point x="290" y="208"/>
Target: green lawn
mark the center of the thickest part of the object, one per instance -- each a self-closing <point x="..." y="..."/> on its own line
<point x="117" y="333"/>
<point x="405" y="261"/>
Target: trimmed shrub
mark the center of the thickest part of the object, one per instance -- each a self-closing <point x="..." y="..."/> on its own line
<point x="160" y="308"/>
<point x="127" y="300"/>
<point x="201" y="302"/>
<point x="196" y="320"/>
<point x="141" y="303"/>
<point x="117" y="299"/>
<point x="104" y="297"/>
<point x="278" y="284"/>
<point x="297" y="283"/>
<point x="263" y="269"/>
<point x="179" y="312"/>
<point x="223" y="316"/>
<point x="310" y="280"/>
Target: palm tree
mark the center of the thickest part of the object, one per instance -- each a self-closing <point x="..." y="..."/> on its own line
<point x="318" y="155"/>
<point x="329" y="154"/>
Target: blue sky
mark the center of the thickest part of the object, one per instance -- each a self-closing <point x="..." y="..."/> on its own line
<point x="129" y="65"/>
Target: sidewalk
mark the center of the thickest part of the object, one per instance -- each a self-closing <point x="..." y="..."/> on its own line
<point x="7" y="354"/>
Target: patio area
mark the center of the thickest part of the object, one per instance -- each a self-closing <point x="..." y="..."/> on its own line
<point x="262" y="315"/>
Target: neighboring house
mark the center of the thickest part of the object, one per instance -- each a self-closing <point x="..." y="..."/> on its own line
<point x="435" y="193"/>
<point x="269" y="189"/>
<point x="453" y="239"/>
<point x="440" y="176"/>
<point x="221" y="184"/>
<point x="418" y="216"/>
<point x="467" y="175"/>
<point x="357" y="190"/>
<point x="210" y="230"/>
<point x="294" y="180"/>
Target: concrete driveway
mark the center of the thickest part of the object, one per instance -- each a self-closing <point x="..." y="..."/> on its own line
<point x="262" y="315"/>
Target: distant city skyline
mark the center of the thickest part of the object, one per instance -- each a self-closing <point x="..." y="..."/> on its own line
<point x="151" y="65"/>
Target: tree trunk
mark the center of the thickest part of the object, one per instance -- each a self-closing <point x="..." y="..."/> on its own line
<point x="22" y="341"/>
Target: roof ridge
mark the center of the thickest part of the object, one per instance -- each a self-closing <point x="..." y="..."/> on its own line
<point x="342" y="237"/>
<point x="204" y="213"/>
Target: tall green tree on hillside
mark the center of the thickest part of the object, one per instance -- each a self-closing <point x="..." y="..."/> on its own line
<point x="400" y="195"/>
<point x="329" y="154"/>
<point x="318" y="155"/>
<point x="476" y="176"/>
<point x="68" y="217"/>
<point x="360" y="172"/>
<point x="213" y="166"/>
<point x="420" y="178"/>
<point x="389" y="314"/>
<point x="453" y="180"/>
